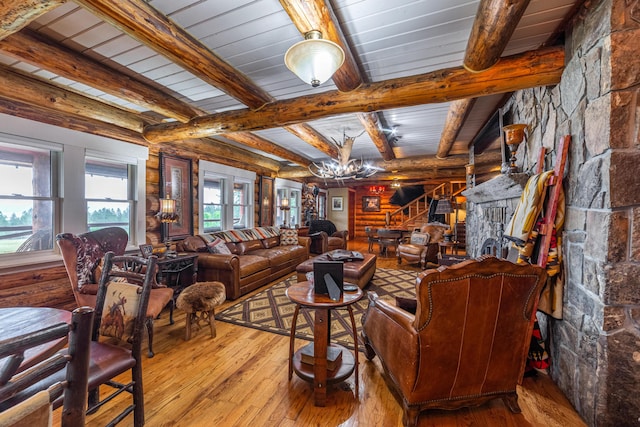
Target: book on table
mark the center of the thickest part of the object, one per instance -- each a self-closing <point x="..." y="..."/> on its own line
<point x="334" y="356"/>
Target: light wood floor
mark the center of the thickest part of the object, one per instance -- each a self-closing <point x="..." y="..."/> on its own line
<point x="240" y="379"/>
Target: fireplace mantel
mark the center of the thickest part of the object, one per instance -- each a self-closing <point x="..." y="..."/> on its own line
<point x="501" y="187"/>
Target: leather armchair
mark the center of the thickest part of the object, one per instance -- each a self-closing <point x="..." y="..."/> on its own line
<point x="325" y="237"/>
<point x="415" y="251"/>
<point x="468" y="340"/>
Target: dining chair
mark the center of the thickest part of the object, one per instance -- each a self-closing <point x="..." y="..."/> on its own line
<point x="372" y="237"/>
<point x="122" y="300"/>
<point x="28" y="397"/>
<point x="388" y="238"/>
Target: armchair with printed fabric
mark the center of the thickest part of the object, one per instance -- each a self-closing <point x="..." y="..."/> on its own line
<point x="83" y="255"/>
<point x="324" y="236"/>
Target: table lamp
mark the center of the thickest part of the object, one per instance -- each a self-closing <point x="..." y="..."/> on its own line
<point x="167" y="214"/>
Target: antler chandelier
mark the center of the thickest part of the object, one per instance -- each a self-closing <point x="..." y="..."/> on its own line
<point x="343" y="167"/>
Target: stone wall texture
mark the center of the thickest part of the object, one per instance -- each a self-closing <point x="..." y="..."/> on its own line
<point x="595" y="348"/>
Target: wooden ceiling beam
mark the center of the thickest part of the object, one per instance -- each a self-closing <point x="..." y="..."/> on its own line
<point x="33" y="90"/>
<point x="457" y="114"/>
<point x="310" y="15"/>
<point x="252" y="140"/>
<point x="526" y="70"/>
<point x="492" y="29"/>
<point x="65" y="120"/>
<point x="141" y="21"/>
<point x="372" y="125"/>
<point x="17" y="14"/>
<point x="42" y="52"/>
<point x="313" y="138"/>
<point x="45" y="53"/>
<point x="318" y="15"/>
<point x="419" y="165"/>
<point x="144" y="23"/>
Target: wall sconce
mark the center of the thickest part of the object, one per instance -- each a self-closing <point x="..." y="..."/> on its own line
<point x="377" y="189"/>
<point x="514" y="135"/>
<point x="314" y="60"/>
<point x="167" y="214"/>
<point x="395" y="183"/>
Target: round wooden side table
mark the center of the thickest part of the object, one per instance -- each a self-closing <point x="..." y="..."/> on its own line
<point x="303" y="295"/>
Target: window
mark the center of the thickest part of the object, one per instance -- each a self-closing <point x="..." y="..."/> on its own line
<point x="321" y="205"/>
<point x="26" y="204"/>
<point x="56" y="180"/>
<point x="241" y="205"/>
<point x="226" y="195"/>
<point x="292" y="192"/>
<point x="108" y="193"/>
<point x="212" y="198"/>
<point x="294" y="202"/>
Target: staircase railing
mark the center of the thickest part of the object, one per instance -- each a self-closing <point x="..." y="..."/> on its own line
<point x="420" y="205"/>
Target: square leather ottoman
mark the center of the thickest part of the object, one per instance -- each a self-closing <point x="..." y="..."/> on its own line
<point x="356" y="272"/>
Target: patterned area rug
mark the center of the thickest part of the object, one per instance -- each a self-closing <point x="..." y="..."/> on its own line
<point x="271" y="310"/>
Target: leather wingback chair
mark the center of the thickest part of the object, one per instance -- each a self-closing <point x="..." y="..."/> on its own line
<point x="468" y="340"/>
<point x="325" y="237"/>
<point x="82" y="255"/>
<point x="414" y="251"/>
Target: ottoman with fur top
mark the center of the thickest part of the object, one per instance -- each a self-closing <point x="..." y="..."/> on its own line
<point x="199" y="302"/>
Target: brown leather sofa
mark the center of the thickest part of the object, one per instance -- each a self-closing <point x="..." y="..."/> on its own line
<point x="324" y="236"/>
<point x="468" y="340"/>
<point x="255" y="260"/>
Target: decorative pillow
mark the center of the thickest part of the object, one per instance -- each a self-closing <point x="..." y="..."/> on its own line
<point x="419" y="238"/>
<point x="218" y="246"/>
<point x="288" y="237"/>
<point x="120" y="310"/>
<point x="270" y="242"/>
<point x="407" y="304"/>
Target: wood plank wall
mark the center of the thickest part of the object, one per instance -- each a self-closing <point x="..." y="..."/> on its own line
<point x="372" y="219"/>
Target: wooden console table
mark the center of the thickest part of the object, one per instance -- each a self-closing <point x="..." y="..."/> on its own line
<point x="302" y="295"/>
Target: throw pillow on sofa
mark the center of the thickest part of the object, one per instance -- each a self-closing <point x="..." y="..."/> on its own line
<point x="218" y="246"/>
<point x="288" y="237"/>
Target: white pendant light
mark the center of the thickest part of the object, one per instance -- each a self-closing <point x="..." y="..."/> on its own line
<point x="314" y="59"/>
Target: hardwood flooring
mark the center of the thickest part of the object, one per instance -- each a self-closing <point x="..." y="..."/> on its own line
<point x="239" y="378"/>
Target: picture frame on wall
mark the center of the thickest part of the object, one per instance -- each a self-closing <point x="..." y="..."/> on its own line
<point x="175" y="181"/>
<point x="336" y="203"/>
<point x="266" y="201"/>
<point x="371" y="204"/>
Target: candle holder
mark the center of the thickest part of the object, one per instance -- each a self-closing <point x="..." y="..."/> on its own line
<point x="514" y="135"/>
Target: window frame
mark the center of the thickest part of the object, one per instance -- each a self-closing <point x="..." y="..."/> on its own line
<point x="230" y="176"/>
<point x="68" y="180"/>
<point x="287" y="187"/>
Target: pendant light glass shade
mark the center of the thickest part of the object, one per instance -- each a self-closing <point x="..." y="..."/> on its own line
<point x="314" y="60"/>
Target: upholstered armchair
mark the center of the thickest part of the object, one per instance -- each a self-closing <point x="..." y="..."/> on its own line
<point x="468" y="340"/>
<point x="82" y="255"/>
<point x="415" y="251"/>
<point x="325" y="237"/>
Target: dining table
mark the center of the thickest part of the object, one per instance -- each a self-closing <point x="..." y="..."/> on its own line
<point x="16" y="321"/>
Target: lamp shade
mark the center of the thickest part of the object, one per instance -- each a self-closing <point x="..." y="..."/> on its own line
<point x="444" y="207"/>
<point x="168" y="211"/>
<point x="314" y="60"/>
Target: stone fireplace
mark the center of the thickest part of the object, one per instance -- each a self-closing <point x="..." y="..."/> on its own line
<point x="490" y="205"/>
<point x="595" y="348"/>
